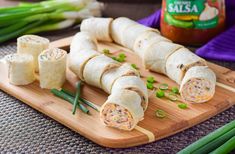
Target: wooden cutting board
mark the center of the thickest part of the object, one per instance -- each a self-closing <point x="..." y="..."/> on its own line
<point x="148" y="130"/>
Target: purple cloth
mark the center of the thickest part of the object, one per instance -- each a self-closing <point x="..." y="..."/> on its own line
<point x="221" y="47"/>
<point x="153" y="20"/>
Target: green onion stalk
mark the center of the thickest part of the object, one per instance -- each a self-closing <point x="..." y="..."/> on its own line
<point x="51" y="14"/>
<point x="214" y="140"/>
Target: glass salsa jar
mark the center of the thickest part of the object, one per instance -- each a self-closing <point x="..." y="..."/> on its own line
<point x="192" y="22"/>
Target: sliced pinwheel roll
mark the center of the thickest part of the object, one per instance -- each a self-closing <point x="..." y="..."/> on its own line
<point x="96" y="67"/>
<point x="33" y="45"/>
<point x="198" y="85"/>
<point x="52" y="68"/>
<point x="102" y="28"/>
<point x="122" y="110"/>
<point x="83" y="40"/>
<point x="180" y="61"/>
<point x="118" y="26"/>
<point x="132" y="32"/>
<point x="112" y="75"/>
<point x="78" y="60"/>
<point x="147" y="39"/>
<point x="21" y="69"/>
<point x="156" y="55"/>
<point x="133" y="83"/>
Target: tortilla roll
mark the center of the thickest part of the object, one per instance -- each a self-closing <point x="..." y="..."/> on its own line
<point x="156" y="55"/>
<point x="78" y="60"/>
<point x="180" y="61"/>
<point x="96" y="67"/>
<point x="102" y="28"/>
<point x="52" y="68"/>
<point x="112" y="75"/>
<point x="198" y="85"/>
<point x="83" y="40"/>
<point x="21" y="69"/>
<point x="147" y="39"/>
<point x="33" y="45"/>
<point x="118" y="26"/>
<point x="122" y="110"/>
<point x="132" y="32"/>
<point x="133" y="83"/>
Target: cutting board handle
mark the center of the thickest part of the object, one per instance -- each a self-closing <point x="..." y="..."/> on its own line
<point x="62" y="43"/>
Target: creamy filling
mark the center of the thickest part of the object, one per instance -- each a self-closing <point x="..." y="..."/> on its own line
<point x="52" y="54"/>
<point x="197" y="90"/>
<point x="117" y="116"/>
<point x="34" y="39"/>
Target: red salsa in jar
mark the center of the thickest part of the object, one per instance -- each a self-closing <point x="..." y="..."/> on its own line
<point x="192" y="22"/>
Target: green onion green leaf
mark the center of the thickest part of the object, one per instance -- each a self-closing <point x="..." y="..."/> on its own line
<point x="77" y="97"/>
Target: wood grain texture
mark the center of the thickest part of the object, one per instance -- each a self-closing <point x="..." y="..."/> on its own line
<point x="90" y="125"/>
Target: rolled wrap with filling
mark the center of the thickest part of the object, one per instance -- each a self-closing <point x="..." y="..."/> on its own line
<point x="180" y="61"/>
<point x="198" y="85"/>
<point x="33" y="45"/>
<point x="78" y="60"/>
<point x="147" y="39"/>
<point x="156" y="55"/>
<point x="133" y="83"/>
<point x="96" y="67"/>
<point x="102" y="28"/>
<point x="21" y="69"/>
<point x="131" y="33"/>
<point x="122" y="110"/>
<point x="83" y="40"/>
<point x="118" y="26"/>
<point x="110" y="76"/>
<point x="52" y="68"/>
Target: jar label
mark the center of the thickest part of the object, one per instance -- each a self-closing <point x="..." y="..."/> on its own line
<point x="200" y="14"/>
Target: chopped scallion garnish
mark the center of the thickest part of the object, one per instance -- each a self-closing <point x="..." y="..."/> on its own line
<point x="122" y="55"/>
<point x="106" y="51"/>
<point x="172" y="96"/>
<point x="163" y="86"/>
<point x="150" y="79"/>
<point x="150" y="86"/>
<point x="160" y="113"/>
<point x="183" y="106"/>
<point x="160" y="93"/>
<point x="175" y="90"/>
<point x="134" y="66"/>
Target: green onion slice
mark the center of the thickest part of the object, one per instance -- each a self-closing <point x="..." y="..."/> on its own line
<point x="150" y="86"/>
<point x="160" y="93"/>
<point x="106" y="51"/>
<point x="175" y="90"/>
<point x="160" y="113"/>
<point x="150" y="79"/>
<point x="134" y="66"/>
<point x="163" y="86"/>
<point x="183" y="106"/>
<point x="122" y="55"/>
<point x="172" y="97"/>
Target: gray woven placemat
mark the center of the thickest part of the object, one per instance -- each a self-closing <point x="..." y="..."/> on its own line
<point x="25" y="130"/>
